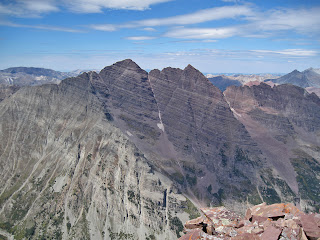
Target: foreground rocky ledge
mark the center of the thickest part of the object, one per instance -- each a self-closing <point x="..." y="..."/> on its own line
<point x="265" y="222"/>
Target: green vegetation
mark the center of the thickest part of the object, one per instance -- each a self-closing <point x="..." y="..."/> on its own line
<point x="219" y="196"/>
<point x="254" y="198"/>
<point x="308" y="177"/>
<point x="3" y="237"/>
<point x="271" y="182"/>
<point x="269" y="195"/>
<point x="6" y="226"/>
<point x="209" y="189"/>
<point x="224" y="158"/>
<point x="176" y="225"/>
<point x="68" y="226"/>
<point x="151" y="237"/>
<point x="134" y="198"/>
<point x="120" y="236"/>
<point x="191" y="209"/>
<point x="192" y="180"/>
<point x="85" y="227"/>
<point x="178" y="177"/>
<point x="241" y="156"/>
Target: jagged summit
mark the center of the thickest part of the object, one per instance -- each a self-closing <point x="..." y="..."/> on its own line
<point x="190" y="67"/>
<point x="127" y="63"/>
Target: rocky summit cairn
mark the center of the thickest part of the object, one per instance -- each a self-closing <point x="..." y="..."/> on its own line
<point x="265" y="222"/>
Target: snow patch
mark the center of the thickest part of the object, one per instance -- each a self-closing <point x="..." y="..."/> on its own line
<point x="59" y="183"/>
<point x="235" y="113"/>
<point x="160" y="125"/>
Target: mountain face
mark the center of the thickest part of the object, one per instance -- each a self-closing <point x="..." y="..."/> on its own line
<point x="7" y="91"/>
<point x="307" y="78"/>
<point x="68" y="173"/>
<point x="123" y="153"/>
<point x="24" y="76"/>
<point x="285" y="123"/>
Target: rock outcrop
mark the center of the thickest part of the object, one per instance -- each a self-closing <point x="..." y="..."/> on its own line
<point x="261" y="222"/>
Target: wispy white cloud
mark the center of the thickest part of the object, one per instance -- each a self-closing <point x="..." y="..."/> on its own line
<point x="149" y="29"/>
<point x="201" y="16"/>
<point x="41" y="27"/>
<point x="36" y="8"/>
<point x="96" y="6"/>
<point x="299" y="20"/>
<point x="104" y="27"/>
<point x="259" y="25"/>
<point x="206" y="15"/>
<point x="28" y="8"/>
<point x="140" y="38"/>
<point x="255" y="24"/>
<point x="290" y="52"/>
<point x="201" y="33"/>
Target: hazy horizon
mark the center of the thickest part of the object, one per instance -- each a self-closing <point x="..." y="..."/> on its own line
<point x="225" y="36"/>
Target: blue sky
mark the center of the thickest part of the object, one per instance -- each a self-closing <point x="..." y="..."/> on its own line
<point x="212" y="35"/>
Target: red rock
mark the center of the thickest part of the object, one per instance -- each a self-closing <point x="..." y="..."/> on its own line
<point x="311" y="225"/>
<point x="194" y="223"/>
<point x="253" y="210"/>
<point x="271" y="233"/>
<point x="193" y="235"/>
<point x="246" y="236"/>
<point x="290" y="233"/>
<point x="292" y="209"/>
<point x="270" y="211"/>
<point x="259" y="219"/>
<point x="221" y="217"/>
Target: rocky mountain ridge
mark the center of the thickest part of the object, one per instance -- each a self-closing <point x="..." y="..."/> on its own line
<point x="124" y="153"/>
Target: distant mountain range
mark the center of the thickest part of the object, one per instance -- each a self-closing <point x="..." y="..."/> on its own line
<point x="223" y="81"/>
<point x="31" y="76"/>
<point x="308" y="78"/>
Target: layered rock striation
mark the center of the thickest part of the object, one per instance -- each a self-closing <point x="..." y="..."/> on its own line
<point x="285" y="123"/>
<point x="124" y="153"/>
<point x="66" y="172"/>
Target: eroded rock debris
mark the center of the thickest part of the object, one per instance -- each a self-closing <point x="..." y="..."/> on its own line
<point x="262" y="222"/>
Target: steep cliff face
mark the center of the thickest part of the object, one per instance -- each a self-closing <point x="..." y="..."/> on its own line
<point x="66" y="172"/>
<point x="7" y="91"/>
<point x="198" y="121"/>
<point x="285" y="122"/>
<point x="109" y="155"/>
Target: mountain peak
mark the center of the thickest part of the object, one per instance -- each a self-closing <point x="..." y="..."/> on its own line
<point x="295" y="71"/>
<point x="127" y="63"/>
<point x="190" y="67"/>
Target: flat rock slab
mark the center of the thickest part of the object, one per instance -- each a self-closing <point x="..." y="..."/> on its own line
<point x="311" y="225"/>
<point x="271" y="233"/>
<point x="221" y="217"/>
<point x="192" y="235"/>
